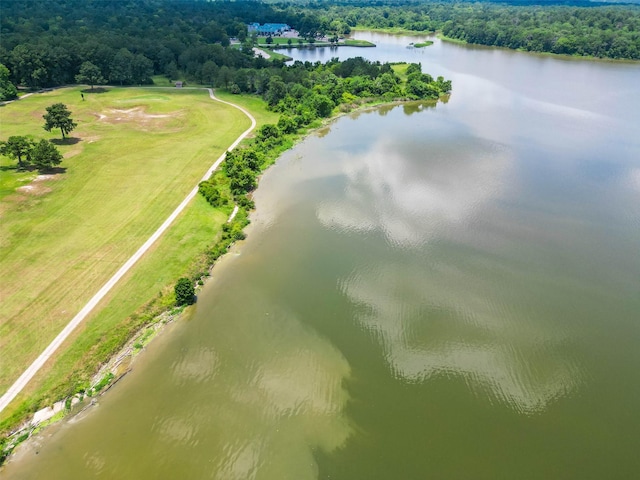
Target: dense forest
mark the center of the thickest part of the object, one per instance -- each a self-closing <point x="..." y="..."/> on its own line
<point x="598" y="31"/>
<point x="45" y="44"/>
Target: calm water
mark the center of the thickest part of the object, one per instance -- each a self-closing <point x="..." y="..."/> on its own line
<point x="447" y="291"/>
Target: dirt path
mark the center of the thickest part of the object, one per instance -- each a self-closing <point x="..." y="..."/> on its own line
<point x="261" y="53"/>
<point x="28" y="374"/>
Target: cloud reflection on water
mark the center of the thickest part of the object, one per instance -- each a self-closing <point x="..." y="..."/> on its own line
<point x="283" y="396"/>
<point x="441" y="322"/>
<point x="412" y="203"/>
<point x="442" y="318"/>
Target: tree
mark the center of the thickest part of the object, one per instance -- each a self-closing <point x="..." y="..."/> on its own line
<point x="141" y="69"/>
<point x="269" y="40"/>
<point x="8" y="90"/>
<point x="19" y="148"/>
<point x="45" y="155"/>
<point x="121" y="67"/>
<point x="171" y="71"/>
<point x="58" y="116"/>
<point x="209" y="72"/>
<point x="90" y="73"/>
<point x="224" y="76"/>
<point x="185" y="293"/>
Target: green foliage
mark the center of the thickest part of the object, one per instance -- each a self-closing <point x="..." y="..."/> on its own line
<point x="8" y="90"/>
<point x="184" y="291"/>
<point x="45" y="155"/>
<point x="233" y="231"/>
<point x="90" y="73"/>
<point x="42" y="155"/>
<point x="18" y="148"/>
<point x="211" y="192"/>
<point x="104" y="381"/>
<point x="48" y="43"/>
<point x="583" y="30"/>
<point x="287" y="125"/>
<point x="58" y="116"/>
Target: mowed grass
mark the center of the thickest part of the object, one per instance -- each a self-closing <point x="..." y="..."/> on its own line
<point x="140" y="151"/>
<point x="114" y="320"/>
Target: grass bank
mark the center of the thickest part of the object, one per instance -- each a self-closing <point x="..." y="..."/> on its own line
<point x="134" y="156"/>
<point x="444" y="38"/>
<point x="273" y="55"/>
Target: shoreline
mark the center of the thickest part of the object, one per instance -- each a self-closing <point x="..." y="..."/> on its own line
<point x="47" y="414"/>
<point x="438" y="34"/>
<point x="120" y="363"/>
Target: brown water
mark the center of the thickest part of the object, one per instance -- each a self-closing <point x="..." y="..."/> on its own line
<point x="447" y="291"/>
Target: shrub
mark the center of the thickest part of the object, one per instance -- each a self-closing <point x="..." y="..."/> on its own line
<point x="185" y="293"/>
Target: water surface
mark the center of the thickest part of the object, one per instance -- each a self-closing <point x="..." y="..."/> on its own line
<point x="427" y="291"/>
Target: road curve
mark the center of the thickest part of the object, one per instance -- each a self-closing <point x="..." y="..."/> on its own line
<point x="29" y="373"/>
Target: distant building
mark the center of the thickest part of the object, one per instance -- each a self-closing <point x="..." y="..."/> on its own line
<point x="268" y="29"/>
<point x="178" y="84"/>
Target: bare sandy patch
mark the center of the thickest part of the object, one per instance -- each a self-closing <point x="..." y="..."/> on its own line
<point x="137" y="116"/>
<point x="37" y="186"/>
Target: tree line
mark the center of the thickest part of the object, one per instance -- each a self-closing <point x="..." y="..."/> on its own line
<point x="606" y="31"/>
<point x="46" y="44"/>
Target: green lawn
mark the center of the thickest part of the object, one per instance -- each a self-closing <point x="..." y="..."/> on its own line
<point x="114" y="321"/>
<point x="277" y="41"/>
<point x="400" y="69"/>
<point x="139" y="152"/>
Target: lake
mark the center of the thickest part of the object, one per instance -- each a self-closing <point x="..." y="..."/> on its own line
<point x="427" y="291"/>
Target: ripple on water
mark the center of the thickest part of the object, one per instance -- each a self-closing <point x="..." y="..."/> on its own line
<point x="195" y="365"/>
<point x="434" y="324"/>
<point x="277" y="405"/>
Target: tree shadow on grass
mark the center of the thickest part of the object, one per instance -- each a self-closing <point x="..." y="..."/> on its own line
<point x="33" y="168"/>
<point x="52" y="170"/>
<point x="66" y="141"/>
<point x="95" y="90"/>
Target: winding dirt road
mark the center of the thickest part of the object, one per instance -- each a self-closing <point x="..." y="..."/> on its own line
<point x="28" y="374"/>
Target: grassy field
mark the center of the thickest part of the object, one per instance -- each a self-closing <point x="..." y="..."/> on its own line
<point x="134" y="156"/>
<point x="400" y="69"/>
<point x="277" y="41"/>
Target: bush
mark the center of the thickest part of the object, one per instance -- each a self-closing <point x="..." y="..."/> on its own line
<point x="185" y="293"/>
